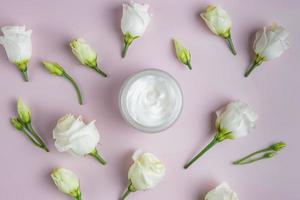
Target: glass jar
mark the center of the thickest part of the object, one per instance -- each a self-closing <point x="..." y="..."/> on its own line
<point x="151" y="100"/>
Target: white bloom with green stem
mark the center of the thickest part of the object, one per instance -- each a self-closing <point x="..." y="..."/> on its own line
<point x="67" y="182"/>
<point x="145" y="173"/>
<point x="73" y="135"/>
<point x="183" y="54"/>
<point x="58" y="70"/>
<point x="17" y="43"/>
<point x="269" y="43"/>
<point x="235" y="120"/>
<point x="86" y="54"/>
<point x="134" y="22"/>
<point x="221" y="192"/>
<point x="219" y="22"/>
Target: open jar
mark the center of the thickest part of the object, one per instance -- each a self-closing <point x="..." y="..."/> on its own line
<point x="151" y="100"/>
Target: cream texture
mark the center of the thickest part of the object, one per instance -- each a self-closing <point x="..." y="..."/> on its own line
<point x="153" y="100"/>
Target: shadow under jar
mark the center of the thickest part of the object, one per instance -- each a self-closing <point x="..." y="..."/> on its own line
<point x="151" y="100"/>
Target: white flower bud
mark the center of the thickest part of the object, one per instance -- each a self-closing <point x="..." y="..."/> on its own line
<point x="271" y="42"/>
<point x="217" y="20"/>
<point x="73" y="135"/>
<point x="135" y="19"/>
<point x="84" y="53"/>
<point x="67" y="182"/>
<point x="237" y="119"/>
<point x="146" y="171"/>
<point x="221" y="192"/>
<point x="17" y="43"/>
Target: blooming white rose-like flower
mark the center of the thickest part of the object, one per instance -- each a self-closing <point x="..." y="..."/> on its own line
<point x="85" y="54"/>
<point x="269" y="43"/>
<point x="134" y="22"/>
<point x="71" y="134"/>
<point x="67" y="182"/>
<point x="219" y="22"/>
<point x="221" y="192"/>
<point x="145" y="173"/>
<point x="17" y="43"/>
<point x="235" y="120"/>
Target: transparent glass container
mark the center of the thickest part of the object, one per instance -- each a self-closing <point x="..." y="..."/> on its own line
<point x="171" y="84"/>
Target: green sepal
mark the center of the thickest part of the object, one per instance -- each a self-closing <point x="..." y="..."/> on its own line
<point x="128" y="39"/>
<point x="257" y="61"/>
<point x="22" y="66"/>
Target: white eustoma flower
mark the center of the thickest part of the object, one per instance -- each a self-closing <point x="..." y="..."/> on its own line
<point x="134" y="22"/>
<point x="17" y="43"/>
<point x="67" y="182"/>
<point x="221" y="192"/>
<point x="145" y="173"/>
<point x="71" y="134"/>
<point x="85" y="54"/>
<point x="235" y="120"/>
<point x="219" y="22"/>
<point x="269" y="43"/>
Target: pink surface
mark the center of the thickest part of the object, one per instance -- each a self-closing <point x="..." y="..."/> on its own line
<point x="217" y="78"/>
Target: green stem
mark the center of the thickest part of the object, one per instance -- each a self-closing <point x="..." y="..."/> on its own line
<point x="128" y="39"/>
<point x="125" y="49"/>
<point x="257" y="61"/>
<point x="125" y="194"/>
<point x="129" y="190"/>
<point x="189" y="64"/>
<point x="230" y="44"/>
<point x="31" y="139"/>
<point x="36" y="136"/>
<point x="25" y="75"/>
<point x="68" y="77"/>
<point x="237" y="162"/>
<point x="252" y="67"/>
<point x="102" y="73"/>
<point x="95" y="154"/>
<point x="251" y="161"/>
<point x="209" y="146"/>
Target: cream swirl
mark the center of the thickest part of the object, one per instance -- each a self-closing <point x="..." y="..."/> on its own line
<point x="154" y="100"/>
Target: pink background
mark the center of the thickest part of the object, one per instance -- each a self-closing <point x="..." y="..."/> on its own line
<point x="217" y="78"/>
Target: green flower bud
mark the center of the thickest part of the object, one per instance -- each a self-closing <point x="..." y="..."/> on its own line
<point x="84" y="53"/>
<point x="54" y="68"/>
<point x="24" y="112"/>
<point x="269" y="155"/>
<point x="278" y="146"/>
<point x="67" y="182"/>
<point x="183" y="54"/>
<point x="16" y="123"/>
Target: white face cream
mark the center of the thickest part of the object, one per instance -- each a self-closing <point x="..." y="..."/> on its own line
<point x="151" y="100"/>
